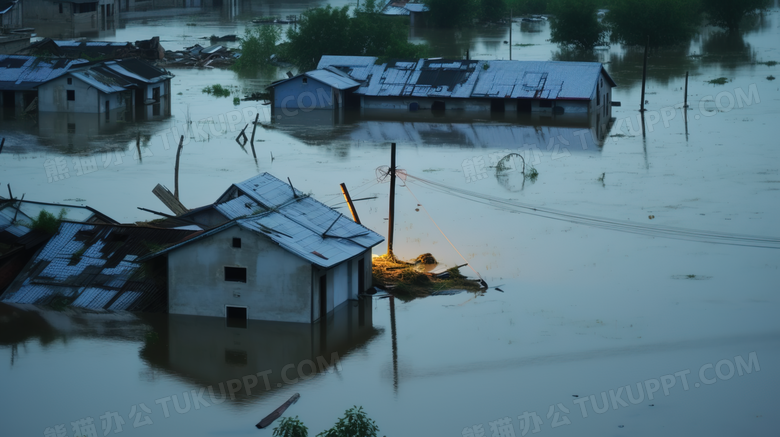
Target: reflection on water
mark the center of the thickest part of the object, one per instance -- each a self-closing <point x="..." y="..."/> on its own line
<point x="729" y="49"/>
<point x="533" y="131"/>
<point x="207" y="351"/>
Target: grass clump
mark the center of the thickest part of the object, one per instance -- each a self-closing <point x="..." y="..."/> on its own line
<point x="408" y="281"/>
<point x="217" y="90"/>
<point x="718" y="81"/>
<point x="46" y="222"/>
<point x="532" y="174"/>
<point x="770" y="77"/>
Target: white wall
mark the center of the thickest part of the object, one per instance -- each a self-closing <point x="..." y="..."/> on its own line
<point x="278" y="286"/>
<point x="52" y="97"/>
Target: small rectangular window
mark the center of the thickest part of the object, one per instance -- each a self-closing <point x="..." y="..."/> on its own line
<point x="235" y="274"/>
<point x="305" y="80"/>
<point x="60" y="8"/>
<point x="237" y="242"/>
<point x="70" y="81"/>
<point x="71" y="95"/>
<point x="545" y="103"/>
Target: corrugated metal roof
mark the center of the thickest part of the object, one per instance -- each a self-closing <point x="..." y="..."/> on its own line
<point x="332" y="79"/>
<point x="94" y="266"/>
<point x="27" y="72"/>
<point x="357" y="67"/>
<point x="298" y="224"/>
<point x="417" y="7"/>
<point x="139" y="70"/>
<point x="466" y="79"/>
<point x="102" y="79"/>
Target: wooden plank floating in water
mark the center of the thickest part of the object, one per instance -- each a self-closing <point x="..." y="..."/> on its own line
<point x="269" y="419"/>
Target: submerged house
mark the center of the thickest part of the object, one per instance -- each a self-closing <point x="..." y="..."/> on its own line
<point x="439" y="85"/>
<point x="280" y="255"/>
<point x="21" y="75"/>
<point x="96" y="266"/>
<point x="129" y="88"/>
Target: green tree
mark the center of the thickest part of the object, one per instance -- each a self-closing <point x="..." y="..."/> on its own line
<point x="257" y="46"/>
<point x="355" y="423"/>
<point x="667" y="22"/>
<point x="524" y="7"/>
<point x="46" y="222"/>
<point x="729" y="13"/>
<point x="493" y="10"/>
<point x="452" y="13"/>
<point x="291" y="427"/>
<point x="575" y="23"/>
<point x="333" y="31"/>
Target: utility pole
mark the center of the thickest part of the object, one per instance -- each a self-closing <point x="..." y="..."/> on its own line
<point x="391" y="219"/>
<point x="510" y="34"/>
<point x="644" y="76"/>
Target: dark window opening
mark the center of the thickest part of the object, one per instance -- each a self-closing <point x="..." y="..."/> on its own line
<point x="235" y="274"/>
<point x="237" y="242"/>
<point x="71" y="95"/>
<point x="497" y="105"/>
<point x="437" y="105"/>
<point x="524" y="105"/>
<point x="323" y="296"/>
<point x="60" y="8"/>
<point x="545" y="103"/>
<point x="305" y="80"/>
<point x="70" y="79"/>
<point x="236" y="318"/>
<point x="71" y="128"/>
<point x="236" y="357"/>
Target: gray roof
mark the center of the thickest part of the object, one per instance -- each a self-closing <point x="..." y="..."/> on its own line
<point x="27" y="72"/>
<point x="29" y="210"/>
<point x="535" y="79"/>
<point x="467" y="79"/>
<point x="118" y="75"/>
<point x="416" y="7"/>
<point x="97" y="267"/>
<point x="357" y="67"/>
<point x="334" y="79"/>
<point x="296" y="222"/>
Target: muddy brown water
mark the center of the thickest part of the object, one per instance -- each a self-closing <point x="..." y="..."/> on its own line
<point x="586" y="314"/>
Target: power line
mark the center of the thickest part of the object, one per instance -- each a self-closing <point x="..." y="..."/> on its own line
<point x="604" y="223"/>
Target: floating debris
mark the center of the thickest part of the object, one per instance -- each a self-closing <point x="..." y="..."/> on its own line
<point x="410" y="280"/>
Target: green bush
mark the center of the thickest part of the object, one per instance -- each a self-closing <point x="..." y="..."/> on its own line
<point x="47" y="222"/>
<point x="728" y="13"/>
<point x="291" y="427"/>
<point x="257" y="47"/>
<point x="332" y="31"/>
<point x="666" y="22"/>
<point x="575" y="23"/>
<point x="355" y="423"/>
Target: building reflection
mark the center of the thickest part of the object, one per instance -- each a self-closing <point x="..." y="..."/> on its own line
<point x="489" y="130"/>
<point x="210" y="352"/>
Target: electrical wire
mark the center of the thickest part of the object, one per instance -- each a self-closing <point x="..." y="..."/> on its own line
<point x="603" y="223"/>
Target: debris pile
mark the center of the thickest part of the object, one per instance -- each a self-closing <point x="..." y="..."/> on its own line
<point x="198" y="56"/>
<point x="407" y="281"/>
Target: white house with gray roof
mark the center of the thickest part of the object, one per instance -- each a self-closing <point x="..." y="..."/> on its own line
<point x="282" y="256"/>
<point x="491" y="86"/>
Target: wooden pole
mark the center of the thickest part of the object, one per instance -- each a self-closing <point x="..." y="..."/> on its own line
<point x="644" y="75"/>
<point x="176" y="170"/>
<point x="2" y="143"/>
<point x="510" y="34"/>
<point x="349" y="202"/>
<point x="18" y="207"/>
<point x="394" y="338"/>
<point x="252" y="141"/>
<point x="138" y="145"/>
<point x="391" y="218"/>
<point x="685" y="105"/>
<point x="10" y="194"/>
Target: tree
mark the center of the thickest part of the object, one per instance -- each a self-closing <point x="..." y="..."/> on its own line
<point x="333" y="31"/>
<point x="355" y="423"/>
<point x="46" y="222"/>
<point x="575" y="23"/>
<point x="523" y="7"/>
<point x="257" y="46"/>
<point x="452" y="13"/>
<point x="667" y="22"/>
<point x="291" y="427"/>
<point x="728" y="13"/>
<point x="493" y="10"/>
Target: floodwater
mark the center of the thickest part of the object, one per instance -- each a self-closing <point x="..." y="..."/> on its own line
<point x="597" y="332"/>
